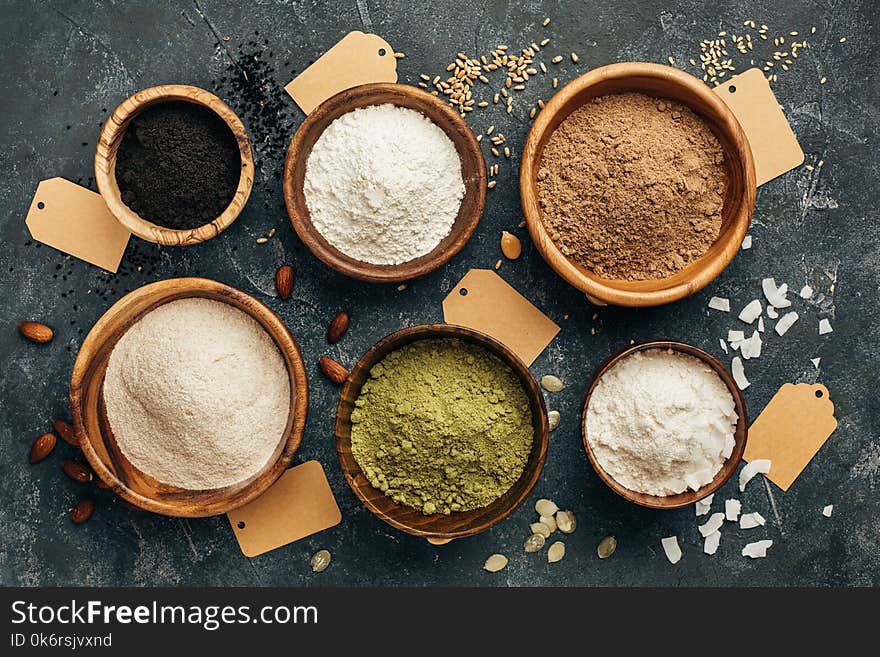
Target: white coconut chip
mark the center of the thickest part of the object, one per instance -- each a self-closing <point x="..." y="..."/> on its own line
<point x="723" y="345"/>
<point x="771" y="312"/>
<point x="828" y="510"/>
<point x="787" y="321"/>
<point x="670" y="547"/>
<point x="713" y="540"/>
<point x="720" y="303"/>
<point x="775" y="296"/>
<point x="806" y="292"/>
<point x="712" y="524"/>
<point x="815" y="362"/>
<point x="824" y="327"/>
<point x="752" y="468"/>
<point x="735" y="336"/>
<point x="751" y="520"/>
<point x="702" y="507"/>
<point x="757" y="549"/>
<point x="751" y="312"/>
<point x="747" y="243"/>
<point x="732" y="508"/>
<point x="751" y="348"/>
<point x="761" y="324"/>
<point x="739" y="373"/>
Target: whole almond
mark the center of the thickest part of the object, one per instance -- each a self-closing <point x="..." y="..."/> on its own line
<point x="66" y="432"/>
<point x="36" y="332"/>
<point x="284" y="281"/>
<point x="333" y="370"/>
<point x="42" y="447"/>
<point x="77" y="470"/>
<point x="82" y="510"/>
<point x="337" y="327"/>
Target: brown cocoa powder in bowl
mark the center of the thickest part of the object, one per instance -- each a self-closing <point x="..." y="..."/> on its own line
<point x="631" y="186"/>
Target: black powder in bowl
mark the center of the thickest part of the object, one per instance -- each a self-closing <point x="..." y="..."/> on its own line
<point x="178" y="165"/>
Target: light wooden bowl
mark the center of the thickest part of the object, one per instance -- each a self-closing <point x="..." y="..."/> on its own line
<point x="96" y="437"/>
<point x="439" y="528"/>
<point x="740" y="434"/>
<point x="105" y="164"/>
<point x="473" y="170"/>
<point x="739" y="201"/>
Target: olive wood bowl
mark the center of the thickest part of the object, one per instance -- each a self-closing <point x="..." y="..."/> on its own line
<point x="111" y="138"/>
<point x="96" y="437"/>
<point x="739" y="200"/>
<point x="439" y="528"/>
<point x="727" y="469"/>
<point x="473" y="170"/>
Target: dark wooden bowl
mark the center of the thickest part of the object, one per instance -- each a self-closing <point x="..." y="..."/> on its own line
<point x="473" y="170"/>
<point x="439" y="528"/>
<point x="740" y="435"/>
<point x="96" y="437"/>
<point x="739" y="201"/>
<point x="105" y="164"/>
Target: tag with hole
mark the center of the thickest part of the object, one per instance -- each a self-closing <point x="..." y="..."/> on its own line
<point x="774" y="146"/>
<point x="76" y="220"/>
<point x="299" y="504"/>
<point x="483" y="301"/>
<point x="358" y="58"/>
<point x="790" y="430"/>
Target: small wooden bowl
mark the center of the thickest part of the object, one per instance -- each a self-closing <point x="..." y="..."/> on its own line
<point x="740" y="435"/>
<point x="473" y="170"/>
<point x="439" y="528"/>
<point x="96" y="437"/>
<point x="105" y="164"/>
<point x="739" y="201"/>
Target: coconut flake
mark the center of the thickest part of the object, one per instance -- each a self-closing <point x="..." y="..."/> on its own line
<point x="747" y="243"/>
<point x="739" y="373"/>
<point x="723" y="345"/>
<point x="735" y="336"/>
<point x="757" y="549"/>
<point x="827" y="510"/>
<point x="720" y="303"/>
<point x="702" y="507"/>
<point x="712" y="524"/>
<point x="710" y="545"/>
<point x="751" y="520"/>
<point x="815" y="362"/>
<point x="824" y="327"/>
<point x="787" y="321"/>
<point x="751" y="312"/>
<point x="751" y="348"/>
<point x="806" y="292"/>
<point x="732" y="508"/>
<point x="761" y="324"/>
<point x="670" y="547"/>
<point x="752" y="468"/>
<point x="775" y="296"/>
<point x="771" y="312"/>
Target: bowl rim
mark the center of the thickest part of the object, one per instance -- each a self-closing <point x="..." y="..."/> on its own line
<point x="439" y="331"/>
<point x="728" y="468"/>
<point x="603" y="291"/>
<point x="105" y="174"/>
<point x="294" y="365"/>
<point x="349" y="100"/>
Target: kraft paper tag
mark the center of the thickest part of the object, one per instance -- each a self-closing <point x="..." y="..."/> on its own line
<point x="358" y="58"/>
<point x="299" y="504"/>
<point x="76" y="220"/>
<point x="790" y="430"/>
<point x="483" y="301"/>
<point x="774" y="146"/>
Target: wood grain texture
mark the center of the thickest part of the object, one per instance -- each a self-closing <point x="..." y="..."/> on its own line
<point x="740" y="435"/>
<point x="96" y="436"/>
<point x="473" y="169"/>
<point x="439" y="527"/>
<point x="111" y="138"/>
<point x="739" y="200"/>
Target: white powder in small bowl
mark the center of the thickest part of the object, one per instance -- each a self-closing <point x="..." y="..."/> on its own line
<point x="660" y="422"/>
<point x="197" y="394"/>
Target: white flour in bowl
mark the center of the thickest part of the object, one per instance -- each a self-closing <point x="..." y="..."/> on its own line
<point x="197" y="394"/>
<point x="660" y="422"/>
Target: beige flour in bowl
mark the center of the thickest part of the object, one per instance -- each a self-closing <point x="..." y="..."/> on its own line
<point x="197" y="394"/>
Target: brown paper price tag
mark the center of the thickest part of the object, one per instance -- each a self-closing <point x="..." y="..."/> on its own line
<point x="790" y="430"/>
<point x="76" y="220"/>
<point x="299" y="504"/>
<point x="358" y="58"/>
<point x="483" y="301"/>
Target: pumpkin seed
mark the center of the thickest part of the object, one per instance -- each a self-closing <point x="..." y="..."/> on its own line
<point x="320" y="561"/>
<point x="495" y="563"/>
<point x="534" y="543"/>
<point x="550" y="521"/>
<point x="553" y="419"/>
<point x="606" y="547"/>
<point x="556" y="552"/>
<point x="551" y="383"/>
<point x="566" y="522"/>
<point x="540" y="528"/>
<point x="545" y="508"/>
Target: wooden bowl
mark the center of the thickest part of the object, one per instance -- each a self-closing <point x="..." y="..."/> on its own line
<point x="439" y="528"/>
<point x="473" y="170"/>
<point x="739" y="200"/>
<point x="740" y="434"/>
<point x="105" y="164"/>
<point x="96" y="437"/>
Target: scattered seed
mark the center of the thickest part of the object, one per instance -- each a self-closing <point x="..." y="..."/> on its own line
<point x="511" y="247"/>
<point x="506" y="151"/>
<point x="534" y="542"/>
<point x="495" y="563"/>
<point x="399" y="55"/>
<point x="546" y="22"/>
<point x="319" y="561"/>
<point x="544" y="42"/>
<point x="402" y="287"/>
<point x="555" y="82"/>
<point x="566" y="522"/>
<point x="823" y="80"/>
<point x="607" y="546"/>
<point x="549" y="521"/>
<point x="574" y="57"/>
<point x="262" y="240"/>
<point x="842" y="39"/>
<point x="540" y="528"/>
<point x="553" y="418"/>
<point x="556" y="59"/>
<point x="498" y="265"/>
<point x="551" y="383"/>
<point x="555" y="552"/>
<point x="271" y="233"/>
<point x="546" y="508"/>
<point x="671" y="60"/>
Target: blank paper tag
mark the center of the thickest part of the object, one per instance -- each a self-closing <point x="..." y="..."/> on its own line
<point x="774" y="146"/>
<point x="76" y="220"/>
<point x="791" y="429"/>
<point x="484" y="302"/>
<point x="358" y="58"/>
<point x="299" y="504"/>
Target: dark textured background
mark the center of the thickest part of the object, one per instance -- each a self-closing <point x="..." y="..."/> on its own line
<point x="66" y="64"/>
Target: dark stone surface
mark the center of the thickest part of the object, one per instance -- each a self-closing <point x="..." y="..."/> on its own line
<point x="67" y="64"/>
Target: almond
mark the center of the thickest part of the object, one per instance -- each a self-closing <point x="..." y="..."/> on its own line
<point x="77" y="470"/>
<point x="42" y="447"/>
<point x="284" y="281"/>
<point x="333" y="370"/>
<point x="36" y="332"/>
<point x="337" y="327"/>
<point x="66" y="432"/>
<point x="82" y="511"/>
